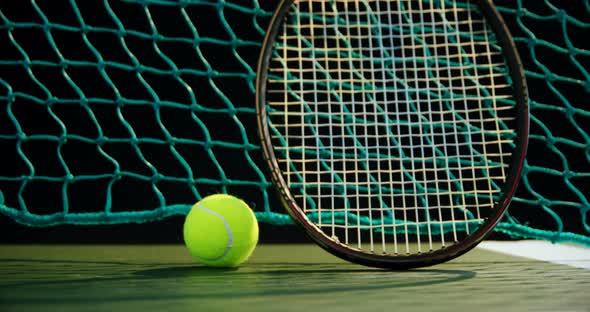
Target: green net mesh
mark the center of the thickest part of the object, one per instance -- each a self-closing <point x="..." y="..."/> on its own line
<point x="130" y="111"/>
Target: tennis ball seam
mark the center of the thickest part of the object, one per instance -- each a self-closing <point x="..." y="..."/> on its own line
<point x="227" y="228"/>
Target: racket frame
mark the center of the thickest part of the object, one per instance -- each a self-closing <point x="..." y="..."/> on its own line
<point x="399" y="261"/>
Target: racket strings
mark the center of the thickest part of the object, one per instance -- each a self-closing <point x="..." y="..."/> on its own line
<point x="392" y="120"/>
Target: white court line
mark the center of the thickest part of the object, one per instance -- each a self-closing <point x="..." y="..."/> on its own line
<point x="574" y="256"/>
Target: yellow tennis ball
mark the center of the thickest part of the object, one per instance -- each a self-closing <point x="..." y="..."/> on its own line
<point x="221" y="230"/>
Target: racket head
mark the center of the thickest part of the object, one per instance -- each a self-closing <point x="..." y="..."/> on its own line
<point x="293" y="203"/>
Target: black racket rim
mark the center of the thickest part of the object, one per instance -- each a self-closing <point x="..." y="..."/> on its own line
<point x="400" y="261"/>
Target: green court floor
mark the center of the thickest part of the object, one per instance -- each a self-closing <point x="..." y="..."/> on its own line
<point x="277" y="278"/>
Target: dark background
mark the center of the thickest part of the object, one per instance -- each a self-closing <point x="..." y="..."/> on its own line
<point x="207" y="21"/>
<point x="159" y="232"/>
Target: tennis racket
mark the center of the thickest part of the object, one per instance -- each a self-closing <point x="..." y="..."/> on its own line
<point x="395" y="131"/>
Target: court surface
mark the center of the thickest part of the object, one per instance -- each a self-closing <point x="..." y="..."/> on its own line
<point x="282" y="278"/>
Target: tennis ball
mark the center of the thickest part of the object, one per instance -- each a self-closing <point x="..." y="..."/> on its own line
<point x="221" y="231"/>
